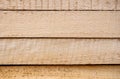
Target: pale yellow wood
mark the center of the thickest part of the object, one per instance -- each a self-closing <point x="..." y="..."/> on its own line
<point x="59" y="72"/>
<point x="59" y="4"/>
<point x="60" y="24"/>
<point x="59" y="51"/>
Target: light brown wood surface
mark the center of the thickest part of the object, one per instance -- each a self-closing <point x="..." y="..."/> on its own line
<point x="118" y="5"/>
<point x="105" y="4"/>
<point x="60" y="24"/>
<point x="60" y="32"/>
<point x="59" y="51"/>
<point x="59" y="4"/>
<point x="60" y="72"/>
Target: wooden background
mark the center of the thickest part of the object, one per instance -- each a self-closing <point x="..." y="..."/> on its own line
<point x="60" y="39"/>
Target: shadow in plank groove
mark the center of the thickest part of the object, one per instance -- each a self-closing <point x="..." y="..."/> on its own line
<point x="50" y="10"/>
<point x="59" y="65"/>
<point x="60" y="38"/>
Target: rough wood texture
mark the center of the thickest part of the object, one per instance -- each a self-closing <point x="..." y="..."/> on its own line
<point x="59" y="51"/>
<point x="59" y="4"/>
<point x="104" y="4"/>
<point x="60" y="24"/>
<point x="60" y="72"/>
<point x="118" y="5"/>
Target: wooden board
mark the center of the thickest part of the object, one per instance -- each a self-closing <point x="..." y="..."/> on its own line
<point x="105" y="4"/>
<point x="118" y="5"/>
<point x="59" y="4"/>
<point x="59" y="51"/>
<point x="60" y="24"/>
<point x="60" y="72"/>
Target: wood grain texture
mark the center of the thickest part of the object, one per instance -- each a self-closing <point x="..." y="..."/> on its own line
<point x="59" y="4"/>
<point x="118" y="4"/>
<point x="59" y="51"/>
<point x="104" y="4"/>
<point x="60" y="24"/>
<point x="60" y="72"/>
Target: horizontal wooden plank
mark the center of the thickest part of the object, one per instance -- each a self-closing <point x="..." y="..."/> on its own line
<point x="104" y="5"/>
<point x="59" y="4"/>
<point x="118" y="4"/>
<point x="59" y="51"/>
<point x="60" y="72"/>
<point x="60" y="24"/>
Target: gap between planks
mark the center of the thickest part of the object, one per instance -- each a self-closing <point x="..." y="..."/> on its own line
<point x="60" y="38"/>
<point x="50" y="10"/>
